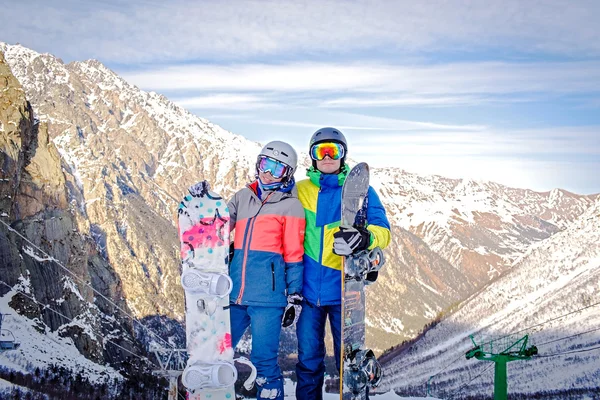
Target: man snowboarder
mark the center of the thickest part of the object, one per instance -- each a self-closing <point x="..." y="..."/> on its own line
<point x="325" y="244"/>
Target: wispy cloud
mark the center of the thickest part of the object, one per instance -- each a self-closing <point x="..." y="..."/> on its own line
<point x="382" y="85"/>
<point x="461" y="78"/>
<point x="146" y="31"/>
<point x="294" y="77"/>
<point x="225" y="101"/>
<point x="403" y="100"/>
<point x="492" y="89"/>
<point x="360" y="122"/>
<point x="492" y="143"/>
<point x="535" y="159"/>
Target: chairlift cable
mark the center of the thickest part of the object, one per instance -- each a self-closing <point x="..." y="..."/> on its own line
<point x="50" y="258"/>
<point x="46" y="306"/>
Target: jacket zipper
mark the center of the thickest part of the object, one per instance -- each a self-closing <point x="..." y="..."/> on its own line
<point x="322" y="268"/>
<point x="273" y="275"/>
<point x="247" y="240"/>
<point x="321" y="246"/>
<point x="246" y="246"/>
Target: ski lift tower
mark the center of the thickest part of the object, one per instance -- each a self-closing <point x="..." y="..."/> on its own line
<point x="172" y="363"/>
<point x="501" y="351"/>
<point x="7" y="339"/>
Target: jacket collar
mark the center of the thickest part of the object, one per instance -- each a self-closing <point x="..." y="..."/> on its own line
<point x="272" y="195"/>
<point x="320" y="179"/>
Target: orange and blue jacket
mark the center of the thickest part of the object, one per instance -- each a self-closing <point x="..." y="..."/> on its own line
<point x="268" y="241"/>
<point x="321" y="197"/>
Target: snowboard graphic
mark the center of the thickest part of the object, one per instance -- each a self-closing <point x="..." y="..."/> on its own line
<point x="359" y="367"/>
<point x="204" y="234"/>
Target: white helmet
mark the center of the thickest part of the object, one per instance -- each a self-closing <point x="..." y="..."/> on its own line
<point x="282" y="152"/>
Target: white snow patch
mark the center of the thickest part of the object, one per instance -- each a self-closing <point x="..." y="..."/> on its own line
<point x="41" y="350"/>
<point x="481" y="250"/>
<point x="70" y="285"/>
<point x="427" y="286"/>
<point x="6" y="387"/>
<point x="30" y="252"/>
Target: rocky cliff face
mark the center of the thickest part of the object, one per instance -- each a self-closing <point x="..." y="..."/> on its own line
<point x="131" y="156"/>
<point x="39" y="230"/>
<point x="128" y="157"/>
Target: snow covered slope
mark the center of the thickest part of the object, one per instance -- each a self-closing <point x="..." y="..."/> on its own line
<point x="552" y="294"/>
<point x="41" y="348"/>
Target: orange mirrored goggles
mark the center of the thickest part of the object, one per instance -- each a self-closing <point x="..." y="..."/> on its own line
<point x="334" y="150"/>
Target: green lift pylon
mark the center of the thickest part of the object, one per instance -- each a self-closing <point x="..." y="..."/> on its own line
<point x="501" y="351"/>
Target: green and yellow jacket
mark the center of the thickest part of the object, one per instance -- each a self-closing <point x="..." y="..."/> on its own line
<point x="321" y="197"/>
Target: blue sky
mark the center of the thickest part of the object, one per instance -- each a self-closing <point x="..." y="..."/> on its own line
<point x="507" y="91"/>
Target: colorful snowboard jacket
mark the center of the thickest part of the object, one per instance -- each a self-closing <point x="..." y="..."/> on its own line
<point x="268" y="241"/>
<point x="321" y="197"/>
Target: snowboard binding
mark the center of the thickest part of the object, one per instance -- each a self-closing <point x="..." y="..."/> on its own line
<point x="249" y="383"/>
<point x="217" y="375"/>
<point x="364" y="266"/>
<point x="209" y="306"/>
<point x="362" y="369"/>
<point x="214" y="284"/>
<point x="204" y="375"/>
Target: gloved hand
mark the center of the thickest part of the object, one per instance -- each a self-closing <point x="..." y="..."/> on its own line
<point x="199" y="189"/>
<point x="350" y="239"/>
<point x="292" y="310"/>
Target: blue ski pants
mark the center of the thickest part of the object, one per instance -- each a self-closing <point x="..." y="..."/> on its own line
<point x="265" y="327"/>
<point x="310" y="330"/>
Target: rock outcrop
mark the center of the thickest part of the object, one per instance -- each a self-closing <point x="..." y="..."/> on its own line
<point x="58" y="277"/>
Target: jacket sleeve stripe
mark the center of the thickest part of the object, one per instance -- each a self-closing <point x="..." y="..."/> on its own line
<point x="381" y="236"/>
<point x="293" y="239"/>
<point x="238" y="236"/>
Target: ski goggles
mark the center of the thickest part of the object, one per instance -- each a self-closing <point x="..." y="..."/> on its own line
<point x="334" y="150"/>
<point x="276" y="168"/>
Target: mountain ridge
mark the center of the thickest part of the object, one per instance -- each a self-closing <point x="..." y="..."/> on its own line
<point x="128" y="156"/>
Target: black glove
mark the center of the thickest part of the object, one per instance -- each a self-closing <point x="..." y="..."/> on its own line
<point x="351" y="239"/>
<point x="371" y="277"/>
<point x="292" y="310"/>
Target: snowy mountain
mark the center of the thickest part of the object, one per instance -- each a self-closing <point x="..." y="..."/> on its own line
<point x="129" y="156"/>
<point x="123" y="158"/>
<point x="450" y="237"/>
<point x="481" y="228"/>
<point x="71" y="321"/>
<point x="552" y="294"/>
